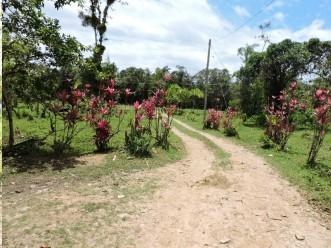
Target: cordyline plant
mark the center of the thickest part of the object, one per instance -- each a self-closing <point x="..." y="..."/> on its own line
<point x="322" y="106"/>
<point x="279" y="116"/>
<point x="229" y="129"/>
<point x="163" y="118"/>
<point x="101" y="110"/>
<point x="213" y="119"/>
<point x="66" y="112"/>
<point x="138" y="140"/>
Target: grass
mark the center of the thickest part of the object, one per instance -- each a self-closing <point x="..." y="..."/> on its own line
<point x="117" y="159"/>
<point x="316" y="182"/>
<point x="221" y="156"/>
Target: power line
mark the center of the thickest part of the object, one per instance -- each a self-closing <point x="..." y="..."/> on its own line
<point x="248" y="20"/>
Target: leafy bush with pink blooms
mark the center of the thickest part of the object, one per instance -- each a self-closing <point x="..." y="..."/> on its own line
<point x="101" y="109"/>
<point x="229" y="129"/>
<point x="213" y="119"/>
<point x="159" y="117"/>
<point x="138" y="140"/>
<point x="322" y="116"/>
<point x="279" y="114"/>
<point x="66" y="112"/>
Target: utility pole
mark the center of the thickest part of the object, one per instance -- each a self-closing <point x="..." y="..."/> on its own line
<point x="206" y="84"/>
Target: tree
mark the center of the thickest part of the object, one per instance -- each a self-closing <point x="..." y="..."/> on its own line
<point x="96" y="17"/>
<point x="218" y="87"/>
<point x="32" y="43"/>
<point x="319" y="62"/>
<point x="282" y="63"/>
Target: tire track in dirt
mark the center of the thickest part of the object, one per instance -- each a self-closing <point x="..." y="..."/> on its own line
<point x="248" y="206"/>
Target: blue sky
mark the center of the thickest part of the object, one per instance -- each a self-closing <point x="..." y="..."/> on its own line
<point x="155" y="33"/>
<point x="296" y="13"/>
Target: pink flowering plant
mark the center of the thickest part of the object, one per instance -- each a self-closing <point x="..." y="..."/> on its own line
<point x="322" y="117"/>
<point x="229" y="129"/>
<point x="138" y="140"/>
<point x="65" y="113"/>
<point x="213" y="119"/>
<point x="101" y="110"/>
<point x="279" y="116"/>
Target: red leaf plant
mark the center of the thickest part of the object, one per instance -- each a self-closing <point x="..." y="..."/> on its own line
<point x="213" y="119"/>
<point x="101" y="110"/>
<point x="322" y="117"/>
<point x="229" y="129"/>
<point x="279" y="115"/>
<point x="66" y="112"/>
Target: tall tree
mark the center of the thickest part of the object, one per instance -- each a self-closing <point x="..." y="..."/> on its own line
<point x="31" y="42"/>
<point x="96" y="17"/>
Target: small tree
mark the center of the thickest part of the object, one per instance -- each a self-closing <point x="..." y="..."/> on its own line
<point x="279" y="116"/>
<point x="322" y="105"/>
<point x="101" y="110"/>
<point x="64" y="118"/>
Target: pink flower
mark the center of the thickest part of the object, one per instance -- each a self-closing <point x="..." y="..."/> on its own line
<point x="171" y="110"/>
<point x="165" y="125"/>
<point x="102" y="124"/>
<point x="111" y="103"/>
<point x="167" y="77"/>
<point x="111" y="82"/>
<point x="149" y="107"/>
<point x="104" y="110"/>
<point x="128" y="92"/>
<point x="293" y="86"/>
<point x="110" y="91"/>
<point x="136" y="106"/>
<point x="94" y="102"/>
<point x="303" y="106"/>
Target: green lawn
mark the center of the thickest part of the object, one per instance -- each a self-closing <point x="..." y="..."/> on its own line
<point x="291" y="164"/>
<point x="43" y="159"/>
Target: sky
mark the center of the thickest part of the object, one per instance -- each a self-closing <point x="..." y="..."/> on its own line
<point x="156" y="33"/>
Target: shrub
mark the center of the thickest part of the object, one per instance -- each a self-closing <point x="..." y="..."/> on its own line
<point x="213" y="119"/>
<point x="101" y="110"/>
<point x="138" y="140"/>
<point x="229" y="130"/>
<point x="322" y="106"/>
<point x="279" y="115"/>
<point x="266" y="142"/>
<point x="65" y="114"/>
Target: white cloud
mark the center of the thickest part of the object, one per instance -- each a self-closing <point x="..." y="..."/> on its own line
<point x="241" y="11"/>
<point x="279" y="16"/>
<point x="150" y="34"/>
<point x="276" y="4"/>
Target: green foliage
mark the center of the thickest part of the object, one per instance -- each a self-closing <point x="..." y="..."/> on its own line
<point x="138" y="142"/>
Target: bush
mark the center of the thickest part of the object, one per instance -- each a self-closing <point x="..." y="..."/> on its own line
<point x="138" y="142"/>
<point x="65" y="114"/>
<point x="266" y="142"/>
<point x="213" y="119"/>
<point x="322" y="116"/>
<point x="279" y="116"/>
<point x="101" y="110"/>
<point x="230" y="132"/>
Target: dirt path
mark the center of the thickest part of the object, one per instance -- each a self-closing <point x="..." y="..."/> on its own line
<point x="246" y="206"/>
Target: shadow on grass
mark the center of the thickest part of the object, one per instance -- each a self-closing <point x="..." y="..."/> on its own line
<point x="35" y="158"/>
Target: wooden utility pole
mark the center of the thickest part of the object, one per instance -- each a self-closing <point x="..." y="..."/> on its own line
<point x="206" y="84"/>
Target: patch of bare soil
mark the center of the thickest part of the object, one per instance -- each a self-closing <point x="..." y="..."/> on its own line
<point x="246" y="206"/>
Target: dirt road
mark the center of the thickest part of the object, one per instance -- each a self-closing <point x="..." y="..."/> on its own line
<point x="248" y="205"/>
<point x="190" y="203"/>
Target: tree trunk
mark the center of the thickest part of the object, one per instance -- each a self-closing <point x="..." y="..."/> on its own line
<point x="9" y="110"/>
